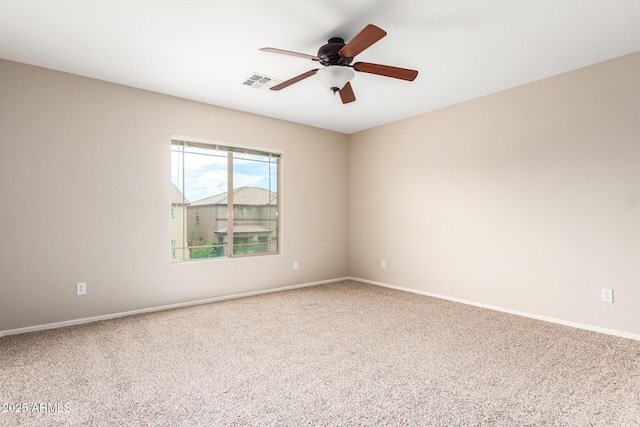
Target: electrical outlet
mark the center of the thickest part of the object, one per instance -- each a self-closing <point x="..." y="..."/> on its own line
<point x="81" y="288"/>
<point x="607" y="295"/>
<point x="295" y="265"/>
<point x="383" y="263"/>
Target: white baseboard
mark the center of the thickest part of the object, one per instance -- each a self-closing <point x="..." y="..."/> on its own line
<point x="305" y="285"/>
<point x="507" y="310"/>
<point x="160" y="308"/>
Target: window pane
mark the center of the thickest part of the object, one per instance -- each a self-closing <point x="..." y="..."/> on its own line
<point x="206" y="187"/>
<point x="201" y="176"/>
<point x="255" y="205"/>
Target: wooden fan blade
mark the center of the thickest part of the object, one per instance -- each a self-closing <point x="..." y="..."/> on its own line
<point x="346" y="94"/>
<point x="296" y="79"/>
<point x="364" y="39"/>
<point x="386" y="70"/>
<point x="290" y="53"/>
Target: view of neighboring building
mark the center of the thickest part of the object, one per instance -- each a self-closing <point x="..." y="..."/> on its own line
<point x="255" y="219"/>
<point x="179" y="251"/>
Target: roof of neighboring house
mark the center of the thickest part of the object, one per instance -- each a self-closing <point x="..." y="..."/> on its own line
<point x="177" y="198"/>
<point x="246" y="196"/>
<point x="245" y="228"/>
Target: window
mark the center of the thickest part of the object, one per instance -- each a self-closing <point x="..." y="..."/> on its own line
<point x="228" y="200"/>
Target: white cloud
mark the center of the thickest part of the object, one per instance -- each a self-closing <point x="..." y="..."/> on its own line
<point x="244" y="180"/>
<point x="202" y="184"/>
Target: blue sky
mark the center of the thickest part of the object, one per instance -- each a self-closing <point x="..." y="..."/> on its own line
<point x="205" y="175"/>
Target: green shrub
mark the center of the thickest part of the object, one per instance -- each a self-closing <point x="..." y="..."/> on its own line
<point x="212" y="250"/>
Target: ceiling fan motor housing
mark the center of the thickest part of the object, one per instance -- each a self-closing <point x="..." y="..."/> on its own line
<point x="329" y="54"/>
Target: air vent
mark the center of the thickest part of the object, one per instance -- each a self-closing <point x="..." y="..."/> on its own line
<point x="260" y="81"/>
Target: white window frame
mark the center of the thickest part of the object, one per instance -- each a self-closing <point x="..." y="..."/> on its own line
<point x="231" y="148"/>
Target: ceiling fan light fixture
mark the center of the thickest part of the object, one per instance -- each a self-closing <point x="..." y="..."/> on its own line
<point x="334" y="77"/>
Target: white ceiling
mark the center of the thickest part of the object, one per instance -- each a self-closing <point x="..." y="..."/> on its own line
<point x="204" y="49"/>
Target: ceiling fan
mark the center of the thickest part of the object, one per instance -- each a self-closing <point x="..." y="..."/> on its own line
<point x="336" y="56"/>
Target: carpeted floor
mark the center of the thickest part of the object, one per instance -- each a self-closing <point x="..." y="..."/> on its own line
<point x="342" y="354"/>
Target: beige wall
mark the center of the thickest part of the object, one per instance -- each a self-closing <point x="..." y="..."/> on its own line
<point x="527" y="199"/>
<point x="85" y="195"/>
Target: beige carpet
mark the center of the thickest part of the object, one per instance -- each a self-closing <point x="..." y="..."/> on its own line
<point x="343" y="354"/>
